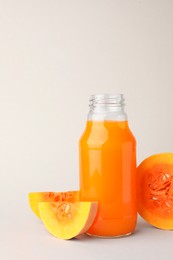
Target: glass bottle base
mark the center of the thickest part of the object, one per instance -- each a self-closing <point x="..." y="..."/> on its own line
<point x="113" y="228"/>
<point x="109" y="237"/>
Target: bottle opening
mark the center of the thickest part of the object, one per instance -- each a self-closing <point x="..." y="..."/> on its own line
<point x="107" y="107"/>
<point x="116" y="100"/>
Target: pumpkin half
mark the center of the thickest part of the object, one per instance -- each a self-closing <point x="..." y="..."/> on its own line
<point x="155" y="190"/>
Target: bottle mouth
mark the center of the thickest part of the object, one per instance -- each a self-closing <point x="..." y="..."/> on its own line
<point x="107" y="99"/>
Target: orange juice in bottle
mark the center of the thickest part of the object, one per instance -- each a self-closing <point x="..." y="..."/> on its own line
<point x="107" y="153"/>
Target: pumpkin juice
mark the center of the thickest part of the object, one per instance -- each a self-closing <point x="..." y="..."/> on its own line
<point x="108" y="175"/>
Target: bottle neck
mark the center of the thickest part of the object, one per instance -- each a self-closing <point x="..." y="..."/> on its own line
<point x="107" y="107"/>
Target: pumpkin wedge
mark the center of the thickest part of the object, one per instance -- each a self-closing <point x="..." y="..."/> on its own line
<point x="36" y="197"/>
<point x="66" y="220"/>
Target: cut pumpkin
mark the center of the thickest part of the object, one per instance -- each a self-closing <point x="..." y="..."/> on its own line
<point x="67" y="220"/>
<point x="36" y="197"/>
<point x="155" y="190"/>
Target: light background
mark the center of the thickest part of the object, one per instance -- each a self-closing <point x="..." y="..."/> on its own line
<point x="53" y="55"/>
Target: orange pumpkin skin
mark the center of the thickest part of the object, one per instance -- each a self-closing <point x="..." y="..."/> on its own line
<point x="155" y="190"/>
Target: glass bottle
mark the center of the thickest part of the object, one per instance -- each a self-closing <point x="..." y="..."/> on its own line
<point x="107" y="156"/>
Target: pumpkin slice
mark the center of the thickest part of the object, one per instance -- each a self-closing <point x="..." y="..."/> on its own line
<point x="155" y="190"/>
<point x="66" y="220"/>
<point x="36" y="197"/>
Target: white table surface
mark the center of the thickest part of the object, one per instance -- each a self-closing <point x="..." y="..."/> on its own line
<point x="23" y="237"/>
